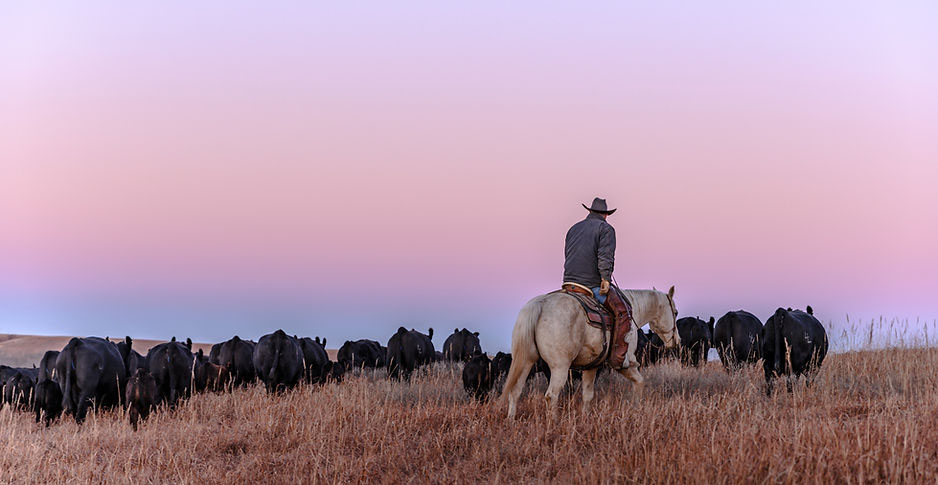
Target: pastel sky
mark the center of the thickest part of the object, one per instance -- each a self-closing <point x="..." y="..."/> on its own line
<point x="343" y="169"/>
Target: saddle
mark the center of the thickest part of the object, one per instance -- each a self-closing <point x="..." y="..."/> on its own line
<point x="597" y="316"/>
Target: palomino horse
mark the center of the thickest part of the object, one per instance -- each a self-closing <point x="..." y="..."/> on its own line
<point x="554" y="327"/>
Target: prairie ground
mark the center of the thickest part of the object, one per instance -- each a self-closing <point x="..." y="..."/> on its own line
<point x="27" y="350"/>
<point x="871" y="416"/>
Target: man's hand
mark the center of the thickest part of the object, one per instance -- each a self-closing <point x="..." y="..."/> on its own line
<point x="604" y="287"/>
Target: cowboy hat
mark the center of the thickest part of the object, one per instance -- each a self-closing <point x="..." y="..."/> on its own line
<point x="599" y="207"/>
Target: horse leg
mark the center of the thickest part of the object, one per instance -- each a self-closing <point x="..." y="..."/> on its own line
<point x="515" y="384"/>
<point x="588" y="379"/>
<point x="558" y="377"/>
<point x="631" y="373"/>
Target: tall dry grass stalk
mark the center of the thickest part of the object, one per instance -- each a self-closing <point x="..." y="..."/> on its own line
<point x="872" y="416"/>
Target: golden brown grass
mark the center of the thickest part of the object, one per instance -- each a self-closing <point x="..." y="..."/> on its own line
<point x="27" y="350"/>
<point x="870" y="417"/>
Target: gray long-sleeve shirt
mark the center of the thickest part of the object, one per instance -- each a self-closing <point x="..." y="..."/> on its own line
<point x="590" y="251"/>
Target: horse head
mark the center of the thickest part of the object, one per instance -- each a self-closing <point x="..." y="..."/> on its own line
<point x="664" y="319"/>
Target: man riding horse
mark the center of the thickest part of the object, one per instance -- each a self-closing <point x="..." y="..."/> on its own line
<point x="590" y="252"/>
<point x="559" y="329"/>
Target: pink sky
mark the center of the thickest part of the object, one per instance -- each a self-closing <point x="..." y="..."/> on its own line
<point x="382" y="161"/>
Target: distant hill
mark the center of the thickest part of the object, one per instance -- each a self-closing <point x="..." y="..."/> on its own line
<point x="27" y="350"/>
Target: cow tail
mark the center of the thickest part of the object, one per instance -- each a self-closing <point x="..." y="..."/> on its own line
<point x="272" y="375"/>
<point x="779" y="318"/>
<point x="68" y="402"/>
<point x="172" y="377"/>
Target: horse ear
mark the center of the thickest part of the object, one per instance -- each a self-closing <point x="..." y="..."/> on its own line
<point x="173" y="339"/>
<point x="810" y="310"/>
<point x="431" y="333"/>
<point x="475" y="333"/>
<point x="671" y="291"/>
<point x="188" y="343"/>
<point x="201" y="354"/>
<point x="323" y="342"/>
<point x="128" y="341"/>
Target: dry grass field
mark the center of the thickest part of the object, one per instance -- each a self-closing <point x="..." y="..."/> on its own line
<point x="27" y="350"/>
<point x="872" y="417"/>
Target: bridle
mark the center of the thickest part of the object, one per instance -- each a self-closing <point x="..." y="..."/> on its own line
<point x="673" y="318"/>
<point x="671" y="306"/>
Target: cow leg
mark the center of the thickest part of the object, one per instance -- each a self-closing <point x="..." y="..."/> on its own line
<point x="558" y="377"/>
<point x="809" y="377"/>
<point x="84" y="401"/>
<point x="134" y="417"/>
<point x="588" y="380"/>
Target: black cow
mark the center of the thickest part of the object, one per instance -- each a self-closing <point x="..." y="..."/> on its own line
<point x="47" y="364"/>
<point x="793" y="342"/>
<point x="641" y="347"/>
<point x="171" y="366"/>
<point x="318" y="366"/>
<point x="6" y="372"/>
<point x="89" y="370"/>
<point x="19" y="387"/>
<point x="696" y="336"/>
<point x="207" y="375"/>
<point x="650" y="349"/>
<point x="133" y="360"/>
<point x="279" y="361"/>
<point x="408" y="350"/>
<point x="737" y="337"/>
<point x="142" y="396"/>
<point x="361" y="354"/>
<point x="383" y="356"/>
<point x="214" y="352"/>
<point x="461" y="346"/>
<point x="500" y="365"/>
<point x="478" y="376"/>
<point x="238" y="357"/>
<point x="47" y="401"/>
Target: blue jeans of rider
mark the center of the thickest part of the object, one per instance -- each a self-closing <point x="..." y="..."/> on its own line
<point x="601" y="298"/>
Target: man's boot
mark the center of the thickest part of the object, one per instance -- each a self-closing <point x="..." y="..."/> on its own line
<point x="620" y="311"/>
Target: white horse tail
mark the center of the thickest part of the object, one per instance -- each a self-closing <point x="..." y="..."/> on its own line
<point x="523" y="346"/>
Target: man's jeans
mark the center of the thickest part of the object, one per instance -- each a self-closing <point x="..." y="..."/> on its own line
<point x="601" y="298"/>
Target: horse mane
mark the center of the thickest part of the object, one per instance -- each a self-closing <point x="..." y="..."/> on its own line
<point x="641" y="300"/>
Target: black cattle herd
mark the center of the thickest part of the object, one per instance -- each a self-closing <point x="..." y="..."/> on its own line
<point x="98" y="372"/>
